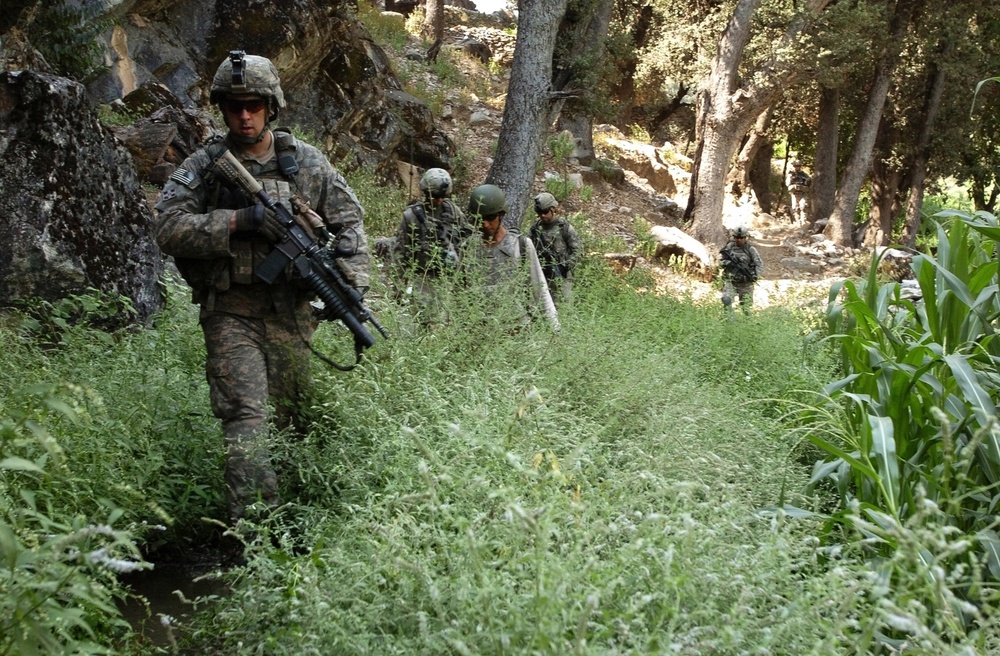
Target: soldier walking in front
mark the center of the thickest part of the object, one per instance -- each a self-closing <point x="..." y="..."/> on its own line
<point x="741" y="268"/>
<point x="257" y="335"/>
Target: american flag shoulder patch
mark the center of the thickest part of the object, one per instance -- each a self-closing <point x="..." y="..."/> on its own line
<point x="183" y="176"/>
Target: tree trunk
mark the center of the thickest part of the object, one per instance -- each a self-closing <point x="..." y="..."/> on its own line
<point x="840" y="226"/>
<point x="884" y="184"/>
<point x="433" y="28"/>
<point x="824" y="187"/>
<point x="740" y="174"/>
<point x="624" y="91"/>
<point x="918" y="175"/>
<point x="761" y="176"/>
<point x="581" y="40"/>
<point x="527" y="107"/>
<point x="727" y="111"/>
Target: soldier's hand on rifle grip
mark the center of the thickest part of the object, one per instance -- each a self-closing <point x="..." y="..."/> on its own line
<point x="271" y="228"/>
<point x="259" y="219"/>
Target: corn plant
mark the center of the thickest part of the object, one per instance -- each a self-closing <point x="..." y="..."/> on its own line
<point x="913" y="420"/>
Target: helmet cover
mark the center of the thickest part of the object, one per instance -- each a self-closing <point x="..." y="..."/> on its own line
<point x="487" y="200"/>
<point x="436" y="183"/>
<point x="241" y="73"/>
<point x="545" y="202"/>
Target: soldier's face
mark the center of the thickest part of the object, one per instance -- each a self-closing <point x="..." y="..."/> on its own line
<point x="246" y="115"/>
<point x="489" y="227"/>
<point x="548" y="216"/>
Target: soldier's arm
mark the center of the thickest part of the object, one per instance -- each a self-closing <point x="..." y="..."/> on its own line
<point x="575" y="247"/>
<point x="183" y="228"/>
<point x="758" y="264"/>
<point x="344" y="216"/>
<point x="540" y="288"/>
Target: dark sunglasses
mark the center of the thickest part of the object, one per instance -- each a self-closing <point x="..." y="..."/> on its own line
<point x="253" y="106"/>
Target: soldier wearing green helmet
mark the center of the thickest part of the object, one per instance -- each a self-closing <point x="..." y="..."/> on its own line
<point x="257" y="335"/>
<point x="507" y="261"/>
<point x="429" y="242"/>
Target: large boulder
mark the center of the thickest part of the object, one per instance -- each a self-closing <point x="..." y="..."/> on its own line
<point x="72" y="213"/>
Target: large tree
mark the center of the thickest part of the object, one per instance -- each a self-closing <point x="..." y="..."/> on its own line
<point x="840" y="226"/>
<point x="731" y="99"/>
<point x="526" y="111"/>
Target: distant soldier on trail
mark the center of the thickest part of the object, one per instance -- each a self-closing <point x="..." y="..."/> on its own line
<point x="559" y="247"/>
<point x="741" y="269"/>
<point x="798" y="183"/>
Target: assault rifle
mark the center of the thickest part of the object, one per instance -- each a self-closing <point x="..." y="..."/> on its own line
<point x="739" y="268"/>
<point x="315" y="263"/>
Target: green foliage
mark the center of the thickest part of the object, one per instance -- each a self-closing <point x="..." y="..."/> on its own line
<point x="59" y="567"/>
<point x="47" y="321"/>
<point x="383" y="203"/>
<point x="910" y="430"/>
<point x="385" y="30"/>
<point x="639" y="133"/>
<point x="645" y="242"/>
<point x="67" y="36"/>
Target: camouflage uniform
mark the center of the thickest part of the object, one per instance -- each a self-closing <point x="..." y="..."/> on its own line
<point x="798" y="183"/>
<point x="256" y="335"/>
<point x="427" y="245"/>
<point x="502" y="273"/>
<point x="559" y="250"/>
<point x="741" y="268"/>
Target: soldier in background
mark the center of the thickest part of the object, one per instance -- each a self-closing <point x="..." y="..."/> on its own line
<point x="798" y="183"/>
<point x="257" y="336"/>
<point x="504" y="259"/>
<point x="428" y="242"/>
<point x="741" y="268"/>
<point x="559" y="247"/>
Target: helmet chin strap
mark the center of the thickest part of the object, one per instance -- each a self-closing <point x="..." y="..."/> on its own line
<point x="250" y="141"/>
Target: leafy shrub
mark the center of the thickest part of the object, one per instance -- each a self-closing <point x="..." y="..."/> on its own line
<point x="910" y="429"/>
<point x="67" y="36"/>
<point x="59" y="583"/>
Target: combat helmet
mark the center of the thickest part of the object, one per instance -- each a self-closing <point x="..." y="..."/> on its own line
<point x="436" y="183"/>
<point x="741" y="231"/>
<point x="487" y="200"/>
<point x="545" y="202"/>
<point x="241" y="73"/>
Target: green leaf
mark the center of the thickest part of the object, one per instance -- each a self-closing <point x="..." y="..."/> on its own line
<point x="884" y="447"/>
<point x="20" y="464"/>
<point x="990" y="542"/>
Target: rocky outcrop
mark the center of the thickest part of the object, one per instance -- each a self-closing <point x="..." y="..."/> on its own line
<point x="338" y="83"/>
<point x="72" y="213"/>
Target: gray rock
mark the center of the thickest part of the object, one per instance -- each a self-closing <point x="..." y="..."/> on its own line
<point x="72" y="213"/>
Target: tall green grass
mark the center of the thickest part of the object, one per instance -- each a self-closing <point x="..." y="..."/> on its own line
<point x="625" y="485"/>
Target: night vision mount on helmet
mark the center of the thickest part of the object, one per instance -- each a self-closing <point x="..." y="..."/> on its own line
<point x="243" y="74"/>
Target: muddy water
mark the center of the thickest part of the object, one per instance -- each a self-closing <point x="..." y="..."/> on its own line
<point x="161" y="590"/>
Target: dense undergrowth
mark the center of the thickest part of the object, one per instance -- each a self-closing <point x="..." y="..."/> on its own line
<point x="611" y="488"/>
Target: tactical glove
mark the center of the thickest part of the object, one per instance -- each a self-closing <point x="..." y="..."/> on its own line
<point x="262" y="220"/>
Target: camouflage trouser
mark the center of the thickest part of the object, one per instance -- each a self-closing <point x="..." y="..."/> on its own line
<point x="429" y="298"/>
<point x="798" y="208"/>
<point x="561" y="290"/>
<point x="744" y="290"/>
<point x="251" y="362"/>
